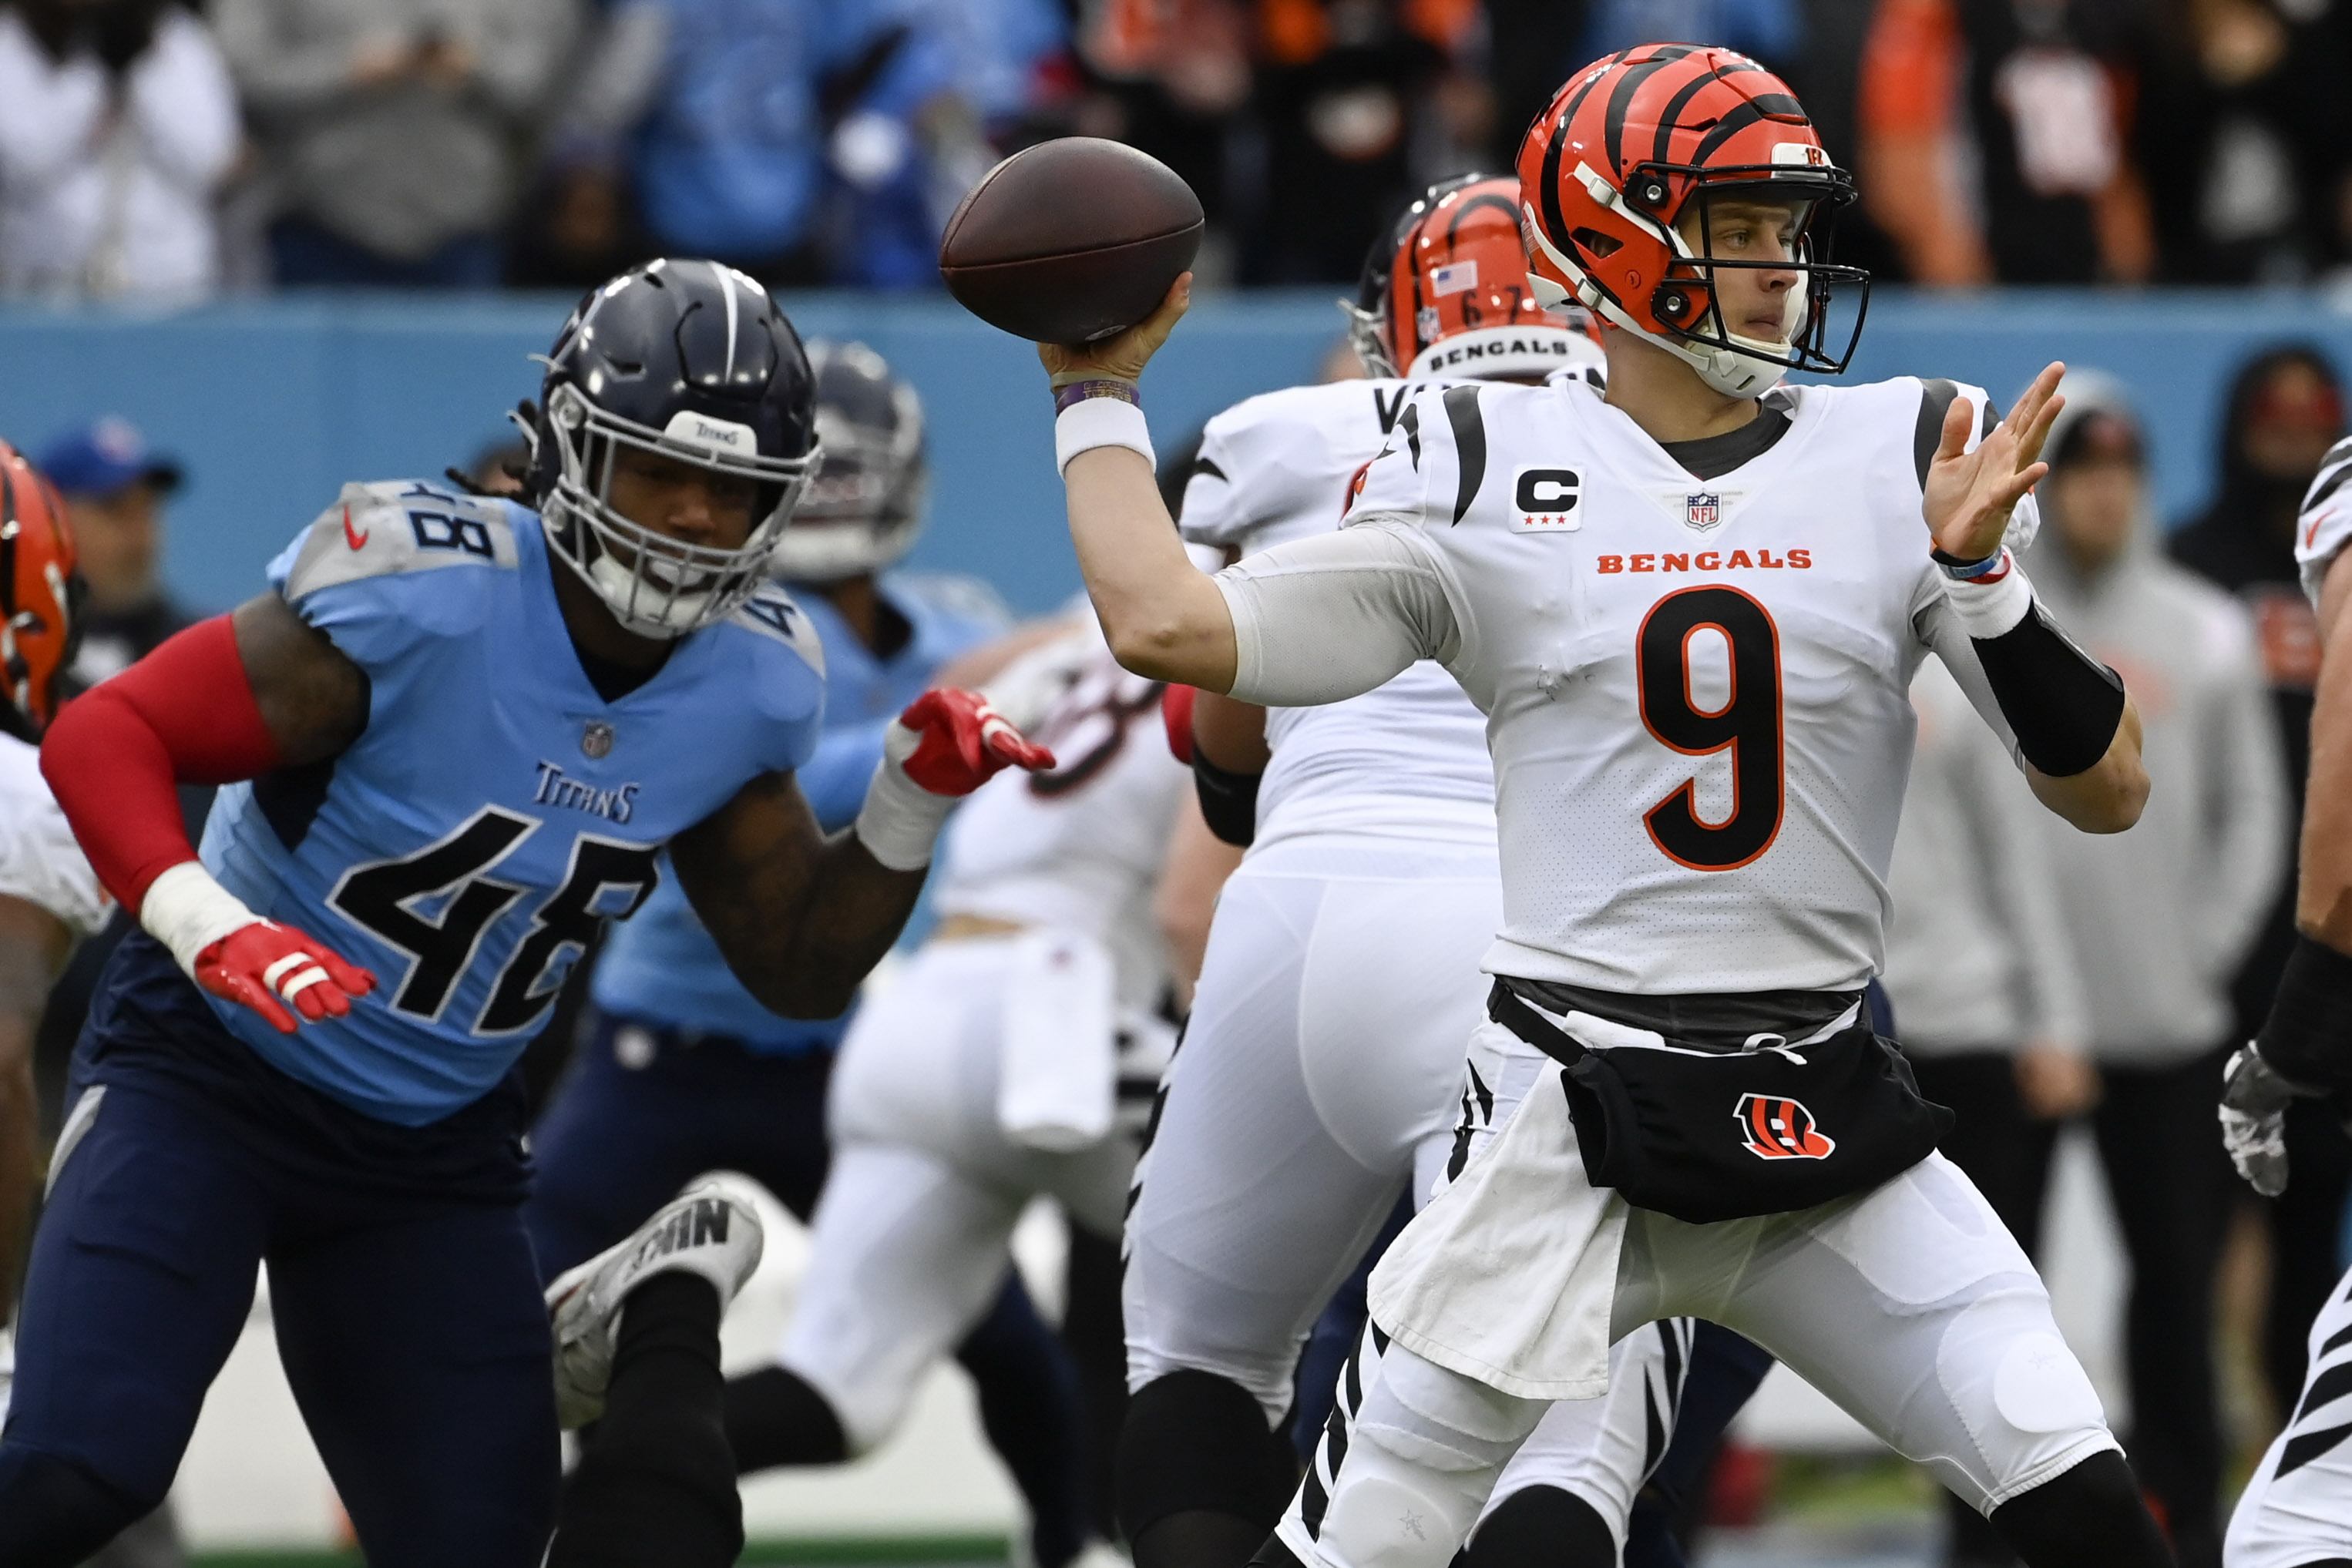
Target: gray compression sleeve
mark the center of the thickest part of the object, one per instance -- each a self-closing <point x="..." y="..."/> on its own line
<point x="1322" y="619"/>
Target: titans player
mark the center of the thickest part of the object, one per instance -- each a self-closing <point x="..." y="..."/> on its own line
<point x="682" y="1067"/>
<point x="456" y="737"/>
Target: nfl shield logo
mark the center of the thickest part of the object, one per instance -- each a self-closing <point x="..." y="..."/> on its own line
<point x="596" y="738"/>
<point x="1702" y="510"/>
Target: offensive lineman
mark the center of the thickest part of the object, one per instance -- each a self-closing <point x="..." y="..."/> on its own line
<point x="1695" y="701"/>
<point x="456" y="737"/>
<point x="1324" y="1052"/>
<point x="2296" y="1510"/>
<point x="1012" y="1055"/>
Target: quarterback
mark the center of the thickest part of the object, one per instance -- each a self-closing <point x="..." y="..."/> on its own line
<point x="1695" y="695"/>
<point x="1323" y="1055"/>
<point x="455" y="738"/>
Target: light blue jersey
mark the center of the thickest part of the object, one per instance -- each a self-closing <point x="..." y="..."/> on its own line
<point x="497" y="810"/>
<point x="662" y="968"/>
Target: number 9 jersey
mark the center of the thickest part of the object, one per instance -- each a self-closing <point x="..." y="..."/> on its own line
<point x="1696" y="691"/>
<point x="497" y="810"/>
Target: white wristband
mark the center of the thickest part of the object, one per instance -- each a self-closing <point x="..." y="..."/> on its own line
<point x="187" y="912"/>
<point x="1100" y="422"/>
<point x="1990" y="607"/>
<point x="900" y="819"/>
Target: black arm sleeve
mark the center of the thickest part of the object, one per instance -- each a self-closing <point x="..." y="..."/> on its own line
<point x="1228" y="800"/>
<point x="2063" y="705"/>
<point x="2307" y="1039"/>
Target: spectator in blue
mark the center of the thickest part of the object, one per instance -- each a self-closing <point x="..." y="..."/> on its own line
<point x="730" y="117"/>
<point x="679" y="1069"/>
<point x="805" y="144"/>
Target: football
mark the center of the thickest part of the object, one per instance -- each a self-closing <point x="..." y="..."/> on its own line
<point x="1071" y="240"/>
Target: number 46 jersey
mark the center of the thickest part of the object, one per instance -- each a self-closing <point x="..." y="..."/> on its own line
<point x="497" y="810"/>
<point x="1697" y="692"/>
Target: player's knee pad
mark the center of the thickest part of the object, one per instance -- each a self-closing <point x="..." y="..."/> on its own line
<point x="1542" y="1527"/>
<point x="2090" y="1514"/>
<point x="1193" y="1441"/>
<point x="1424" y="1451"/>
<point x="1427" y="1414"/>
<point x="2028" y="1407"/>
<point x="775" y="1417"/>
<point x="54" y="1514"/>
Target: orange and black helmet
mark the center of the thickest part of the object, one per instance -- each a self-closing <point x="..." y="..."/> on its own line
<point x="1611" y="167"/>
<point x="1445" y="293"/>
<point x="40" y="595"/>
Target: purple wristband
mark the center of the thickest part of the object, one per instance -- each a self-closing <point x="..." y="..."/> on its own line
<point x="1077" y="392"/>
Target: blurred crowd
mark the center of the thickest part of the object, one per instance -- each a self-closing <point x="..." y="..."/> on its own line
<point x="175" y="148"/>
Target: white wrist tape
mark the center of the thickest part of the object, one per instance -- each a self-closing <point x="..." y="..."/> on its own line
<point x="1990" y="606"/>
<point x="900" y="819"/>
<point x="1100" y="422"/>
<point x="187" y="912"/>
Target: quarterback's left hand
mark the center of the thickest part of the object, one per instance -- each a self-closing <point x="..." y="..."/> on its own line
<point x="1969" y="495"/>
<point x="951" y="742"/>
<point x="2254" y="1100"/>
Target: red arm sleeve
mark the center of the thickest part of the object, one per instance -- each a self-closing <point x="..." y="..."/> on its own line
<point x="186" y="713"/>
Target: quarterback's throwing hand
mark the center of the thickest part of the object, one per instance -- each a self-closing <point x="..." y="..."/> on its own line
<point x="1122" y="356"/>
<point x="1970" y="494"/>
<point x="270" y="967"/>
<point x="951" y="742"/>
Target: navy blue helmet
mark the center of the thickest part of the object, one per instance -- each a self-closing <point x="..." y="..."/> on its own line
<point x="864" y="506"/>
<point x="691" y="359"/>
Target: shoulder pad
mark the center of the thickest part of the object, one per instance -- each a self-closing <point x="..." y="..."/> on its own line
<point x="950" y="595"/>
<point x="389" y="526"/>
<point x="771" y="613"/>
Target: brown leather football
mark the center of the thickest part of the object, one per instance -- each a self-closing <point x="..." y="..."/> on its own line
<point x="1070" y="240"/>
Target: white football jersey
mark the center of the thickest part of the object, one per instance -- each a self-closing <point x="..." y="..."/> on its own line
<point x="1408" y="760"/>
<point x="40" y="862"/>
<point x="1080" y="845"/>
<point x="1696" y="691"/>
<point x="2325" y="525"/>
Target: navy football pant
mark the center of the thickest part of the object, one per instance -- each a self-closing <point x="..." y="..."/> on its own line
<point x="407" y="1312"/>
<point x="617" y="1141"/>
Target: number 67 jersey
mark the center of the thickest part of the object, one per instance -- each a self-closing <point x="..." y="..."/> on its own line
<point x="497" y="810"/>
<point x="1696" y="691"/>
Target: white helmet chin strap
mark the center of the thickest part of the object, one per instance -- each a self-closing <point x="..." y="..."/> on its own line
<point x="1728" y="370"/>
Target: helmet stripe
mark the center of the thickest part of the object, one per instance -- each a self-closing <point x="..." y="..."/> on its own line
<point x="1555" y="220"/>
<point x="1670" y="119"/>
<point x="1490" y="202"/>
<point x="1761" y="106"/>
<point x="1621" y="98"/>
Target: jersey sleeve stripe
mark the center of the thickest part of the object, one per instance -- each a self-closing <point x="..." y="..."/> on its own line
<point x="1469" y="445"/>
<point x="2326" y="485"/>
<point x="1935" y="401"/>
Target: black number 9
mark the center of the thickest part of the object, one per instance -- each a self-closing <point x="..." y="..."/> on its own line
<point x="1748" y="725"/>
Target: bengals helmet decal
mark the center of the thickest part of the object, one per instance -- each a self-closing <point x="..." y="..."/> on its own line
<point x="1446" y="293"/>
<point x="40" y="594"/>
<point x="1610" y="170"/>
<point x="1774" y="1127"/>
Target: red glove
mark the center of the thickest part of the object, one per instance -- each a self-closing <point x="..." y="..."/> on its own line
<point x="265" y="964"/>
<point x="960" y="742"/>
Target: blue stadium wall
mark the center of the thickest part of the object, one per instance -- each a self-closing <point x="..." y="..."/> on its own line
<point x="271" y="404"/>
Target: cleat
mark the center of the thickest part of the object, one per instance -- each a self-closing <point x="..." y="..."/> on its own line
<point x="704" y="1230"/>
